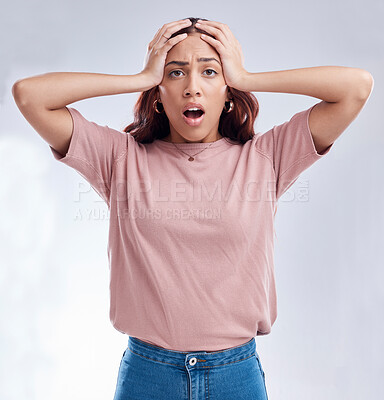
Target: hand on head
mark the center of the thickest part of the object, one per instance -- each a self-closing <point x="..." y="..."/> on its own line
<point x="159" y="47"/>
<point x="221" y="39"/>
<point x="229" y="50"/>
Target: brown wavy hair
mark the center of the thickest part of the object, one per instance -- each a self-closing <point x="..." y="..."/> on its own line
<point x="148" y="125"/>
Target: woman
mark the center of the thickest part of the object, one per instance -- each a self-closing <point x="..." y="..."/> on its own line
<point x="192" y="193"/>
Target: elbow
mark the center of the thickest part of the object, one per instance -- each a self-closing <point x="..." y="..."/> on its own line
<point x="364" y="85"/>
<point x="370" y="83"/>
<point x="19" y="92"/>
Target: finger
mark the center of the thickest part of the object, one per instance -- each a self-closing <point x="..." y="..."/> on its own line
<point x="218" y="25"/>
<point x="171" y="28"/>
<point x="176" y="25"/>
<point x="214" y="23"/>
<point x="180" y="24"/>
<point x="155" y="39"/>
<point x="213" y="31"/>
<point x="170" y="24"/>
<point x="174" y="28"/>
<point x="171" y="42"/>
<point x="213" y="42"/>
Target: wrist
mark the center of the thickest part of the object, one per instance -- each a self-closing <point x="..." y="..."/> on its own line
<point x="137" y="83"/>
<point x="145" y="81"/>
<point x="245" y="81"/>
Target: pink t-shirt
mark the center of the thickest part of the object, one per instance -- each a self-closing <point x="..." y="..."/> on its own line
<point x="191" y="243"/>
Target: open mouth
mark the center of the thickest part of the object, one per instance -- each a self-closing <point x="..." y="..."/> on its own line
<point x="193" y="114"/>
<point x="193" y="117"/>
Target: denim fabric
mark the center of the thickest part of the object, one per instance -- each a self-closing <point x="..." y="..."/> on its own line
<point x="149" y="372"/>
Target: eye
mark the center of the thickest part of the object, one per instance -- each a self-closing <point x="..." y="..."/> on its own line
<point x="177" y="71"/>
<point x="212" y="71"/>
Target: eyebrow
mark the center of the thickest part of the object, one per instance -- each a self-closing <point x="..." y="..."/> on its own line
<point x="201" y="59"/>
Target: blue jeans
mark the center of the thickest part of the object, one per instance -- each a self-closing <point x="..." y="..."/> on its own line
<point x="149" y="372"/>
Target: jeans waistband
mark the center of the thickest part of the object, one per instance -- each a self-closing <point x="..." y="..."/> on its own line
<point x="200" y="358"/>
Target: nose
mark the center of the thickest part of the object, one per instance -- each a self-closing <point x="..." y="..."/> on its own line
<point x="192" y="86"/>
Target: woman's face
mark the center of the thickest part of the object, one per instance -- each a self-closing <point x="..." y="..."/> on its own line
<point x="197" y="82"/>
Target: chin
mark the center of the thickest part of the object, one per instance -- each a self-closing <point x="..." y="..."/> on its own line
<point x="192" y="138"/>
<point x="195" y="140"/>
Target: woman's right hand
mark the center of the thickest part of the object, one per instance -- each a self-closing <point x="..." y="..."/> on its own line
<point x="158" y="48"/>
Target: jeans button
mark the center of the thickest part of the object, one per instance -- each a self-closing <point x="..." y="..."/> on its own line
<point x="193" y="361"/>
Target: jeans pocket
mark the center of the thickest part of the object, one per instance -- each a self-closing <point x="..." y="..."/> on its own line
<point x="262" y="373"/>
<point x="260" y="366"/>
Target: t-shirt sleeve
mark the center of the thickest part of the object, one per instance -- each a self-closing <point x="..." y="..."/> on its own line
<point x="291" y="149"/>
<point x="92" y="152"/>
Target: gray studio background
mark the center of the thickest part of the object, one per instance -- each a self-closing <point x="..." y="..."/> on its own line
<point x="56" y="340"/>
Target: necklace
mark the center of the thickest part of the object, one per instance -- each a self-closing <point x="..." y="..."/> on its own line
<point x="191" y="157"/>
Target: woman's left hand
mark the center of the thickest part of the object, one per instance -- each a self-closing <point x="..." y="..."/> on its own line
<point x="229" y="50"/>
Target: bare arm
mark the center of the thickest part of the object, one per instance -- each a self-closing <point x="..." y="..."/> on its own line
<point x="42" y="99"/>
<point x="343" y="91"/>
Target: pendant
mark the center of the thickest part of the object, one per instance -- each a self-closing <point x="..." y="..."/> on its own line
<point x="190" y="158"/>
